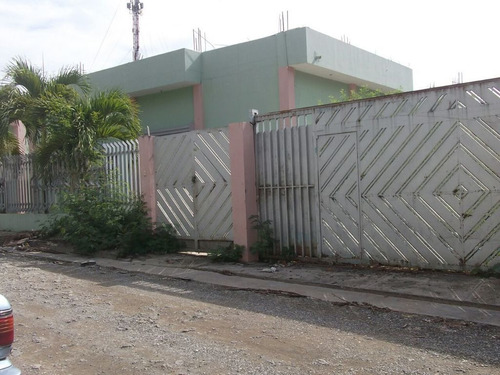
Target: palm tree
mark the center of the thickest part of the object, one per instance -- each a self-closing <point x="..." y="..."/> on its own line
<point x="64" y="122"/>
<point x="78" y="128"/>
<point x="27" y="84"/>
<point x="8" y="142"/>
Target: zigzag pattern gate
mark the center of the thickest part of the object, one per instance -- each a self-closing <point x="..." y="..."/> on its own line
<point x="193" y="184"/>
<point x="411" y="179"/>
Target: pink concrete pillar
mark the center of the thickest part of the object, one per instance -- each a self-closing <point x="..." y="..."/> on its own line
<point x="19" y="131"/>
<point x="199" y="114"/>
<point x="147" y="174"/>
<point x="286" y="77"/>
<point x="243" y="186"/>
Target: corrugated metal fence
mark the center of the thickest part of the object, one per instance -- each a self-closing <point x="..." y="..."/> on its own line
<point x="23" y="190"/>
<point x="411" y="179"/>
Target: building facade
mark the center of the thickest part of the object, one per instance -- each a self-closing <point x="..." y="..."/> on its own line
<point x="184" y="90"/>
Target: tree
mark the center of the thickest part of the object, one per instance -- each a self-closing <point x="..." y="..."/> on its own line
<point x="75" y="130"/>
<point x="64" y="122"/>
<point x="28" y="85"/>
<point x="8" y="142"/>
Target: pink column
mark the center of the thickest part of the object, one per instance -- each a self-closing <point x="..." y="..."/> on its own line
<point x="199" y="115"/>
<point x="19" y="131"/>
<point x="286" y="77"/>
<point x="147" y="174"/>
<point x="243" y="186"/>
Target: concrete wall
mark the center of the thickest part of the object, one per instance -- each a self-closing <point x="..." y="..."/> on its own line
<point x="347" y="63"/>
<point x="230" y="81"/>
<point x="237" y="79"/>
<point x="311" y="90"/>
<point x="22" y="222"/>
<point x="168" y="71"/>
<point x="170" y="109"/>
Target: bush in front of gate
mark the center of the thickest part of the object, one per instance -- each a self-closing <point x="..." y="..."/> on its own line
<point x="94" y="219"/>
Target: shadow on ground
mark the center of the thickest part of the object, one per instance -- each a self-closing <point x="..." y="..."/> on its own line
<point x="461" y="339"/>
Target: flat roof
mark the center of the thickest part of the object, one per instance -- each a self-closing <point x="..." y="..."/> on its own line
<point x="303" y="49"/>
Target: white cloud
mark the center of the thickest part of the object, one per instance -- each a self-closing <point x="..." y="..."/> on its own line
<point x="437" y="39"/>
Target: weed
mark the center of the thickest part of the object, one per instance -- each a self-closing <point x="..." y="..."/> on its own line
<point x="230" y="253"/>
<point x="287" y="254"/>
<point x="264" y="246"/>
<point x="493" y="271"/>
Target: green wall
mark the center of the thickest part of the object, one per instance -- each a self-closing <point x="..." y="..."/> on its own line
<point x="154" y="74"/>
<point x="311" y="90"/>
<point x="241" y="77"/>
<point x="362" y="67"/>
<point x="229" y="99"/>
<point x="238" y="78"/>
<point x="167" y="110"/>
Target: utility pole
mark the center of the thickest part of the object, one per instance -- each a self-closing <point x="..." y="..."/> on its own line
<point x="135" y="6"/>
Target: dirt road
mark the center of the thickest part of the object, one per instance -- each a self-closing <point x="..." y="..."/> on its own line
<point x="91" y="320"/>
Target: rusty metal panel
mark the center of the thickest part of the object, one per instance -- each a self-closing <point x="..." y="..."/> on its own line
<point x="193" y="179"/>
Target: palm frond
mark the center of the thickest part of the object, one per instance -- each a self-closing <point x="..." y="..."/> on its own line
<point x="71" y="76"/>
<point x="62" y="121"/>
<point x="116" y="115"/>
<point x="26" y="77"/>
<point x="9" y="144"/>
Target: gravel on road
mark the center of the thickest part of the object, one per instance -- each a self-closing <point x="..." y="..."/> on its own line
<point x="92" y="320"/>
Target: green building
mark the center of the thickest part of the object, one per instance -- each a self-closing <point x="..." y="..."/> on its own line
<point x="185" y="89"/>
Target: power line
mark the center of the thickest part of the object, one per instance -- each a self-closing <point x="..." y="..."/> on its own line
<point x="105" y="35"/>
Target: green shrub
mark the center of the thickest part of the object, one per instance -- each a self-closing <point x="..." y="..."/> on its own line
<point x="231" y="253"/>
<point x="264" y="246"/>
<point x="362" y="92"/>
<point x="95" y="219"/>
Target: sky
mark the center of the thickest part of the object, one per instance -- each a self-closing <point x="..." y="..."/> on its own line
<point x="440" y="40"/>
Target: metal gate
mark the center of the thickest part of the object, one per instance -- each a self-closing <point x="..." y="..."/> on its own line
<point x="409" y="179"/>
<point x="193" y="190"/>
<point x="339" y="195"/>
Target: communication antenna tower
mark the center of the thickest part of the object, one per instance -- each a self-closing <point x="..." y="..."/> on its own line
<point x="135" y="7"/>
